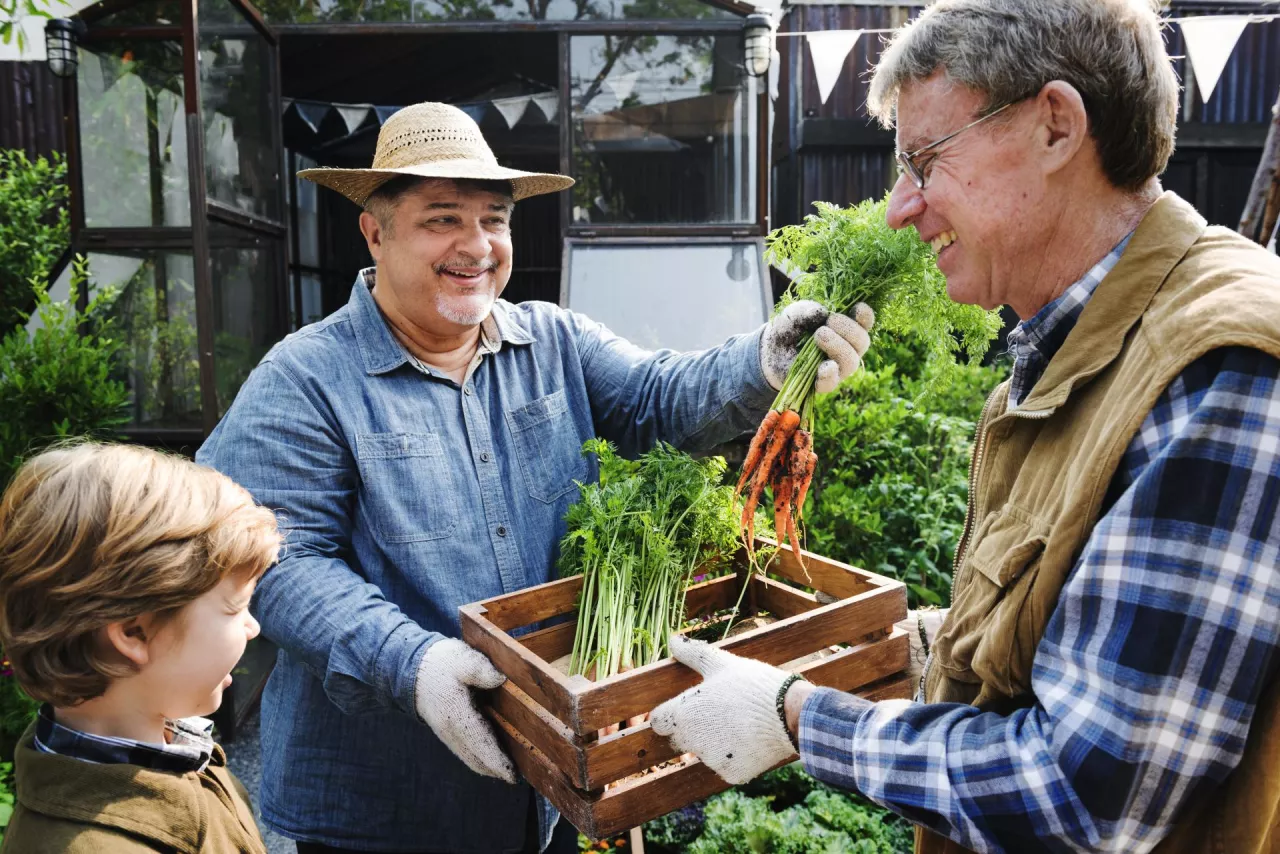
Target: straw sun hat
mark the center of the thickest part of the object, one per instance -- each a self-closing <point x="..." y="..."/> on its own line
<point x="433" y="141"/>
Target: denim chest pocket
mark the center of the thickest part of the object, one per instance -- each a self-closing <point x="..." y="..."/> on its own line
<point x="407" y="486"/>
<point x="548" y="447"/>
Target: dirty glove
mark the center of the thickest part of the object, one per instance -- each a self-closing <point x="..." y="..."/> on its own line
<point x="442" y="697"/>
<point x="842" y="338"/>
<point x="731" y="720"/>
<point x="922" y="628"/>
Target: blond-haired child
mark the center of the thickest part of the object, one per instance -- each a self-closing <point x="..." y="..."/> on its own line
<point x="125" y="578"/>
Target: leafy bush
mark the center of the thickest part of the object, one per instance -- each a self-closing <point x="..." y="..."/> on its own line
<point x="57" y="382"/>
<point x="7" y="799"/>
<point x="892" y="484"/>
<point x="34" y="229"/>
<point x="786" y="812"/>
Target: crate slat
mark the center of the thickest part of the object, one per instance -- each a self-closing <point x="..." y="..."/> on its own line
<point x="634" y="749"/>
<point x="599" y="704"/>
<point x="550" y="644"/>
<point x="831" y="577"/>
<point x="559" y="743"/>
<point x="527" y="671"/>
<point x="630" y="804"/>
<point x="526" y="607"/>
<point x="780" y="599"/>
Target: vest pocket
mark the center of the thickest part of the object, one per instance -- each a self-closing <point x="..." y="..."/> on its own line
<point x="406" y="486"/>
<point x="989" y="636"/>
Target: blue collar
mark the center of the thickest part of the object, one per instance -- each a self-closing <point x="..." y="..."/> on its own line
<point x="380" y="350"/>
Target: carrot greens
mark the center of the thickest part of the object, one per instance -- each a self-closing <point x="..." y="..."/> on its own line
<point x="841" y="257"/>
<point x="638" y="537"/>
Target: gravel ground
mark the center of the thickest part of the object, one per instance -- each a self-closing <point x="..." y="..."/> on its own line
<point x="244" y="757"/>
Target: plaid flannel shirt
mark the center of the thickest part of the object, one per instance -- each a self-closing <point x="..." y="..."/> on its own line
<point x="190" y="747"/>
<point x="1153" y="660"/>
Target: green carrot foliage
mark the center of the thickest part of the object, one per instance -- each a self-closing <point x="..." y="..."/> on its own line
<point x="844" y="256"/>
<point x="638" y="537"/>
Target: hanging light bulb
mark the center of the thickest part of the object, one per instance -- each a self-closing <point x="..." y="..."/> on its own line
<point x="60" y="37"/>
<point x="757" y="33"/>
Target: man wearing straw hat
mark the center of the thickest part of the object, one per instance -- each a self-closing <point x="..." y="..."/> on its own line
<point x="1108" y="676"/>
<point x="421" y="445"/>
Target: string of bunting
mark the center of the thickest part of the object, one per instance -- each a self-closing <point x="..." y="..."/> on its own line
<point x="1210" y="39"/>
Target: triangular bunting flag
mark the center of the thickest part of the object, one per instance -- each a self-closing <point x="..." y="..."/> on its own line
<point x="353" y="115"/>
<point x="512" y="109"/>
<point x="829" y="50"/>
<point x="1210" y="41"/>
<point x="311" y="113"/>
<point x="622" y="85"/>
<point x="384" y="113"/>
<point x="549" y="104"/>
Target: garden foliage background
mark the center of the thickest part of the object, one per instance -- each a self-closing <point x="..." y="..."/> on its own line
<point x="890" y="495"/>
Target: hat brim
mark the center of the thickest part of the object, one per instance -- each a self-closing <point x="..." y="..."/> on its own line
<point x="358" y="184"/>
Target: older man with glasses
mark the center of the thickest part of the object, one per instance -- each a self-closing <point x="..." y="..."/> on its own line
<point x="1106" y="678"/>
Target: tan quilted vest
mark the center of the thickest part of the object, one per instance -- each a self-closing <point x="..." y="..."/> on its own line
<point x="1041" y="472"/>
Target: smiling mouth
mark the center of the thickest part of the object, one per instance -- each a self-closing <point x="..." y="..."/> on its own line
<point x="942" y="241"/>
<point x="468" y="274"/>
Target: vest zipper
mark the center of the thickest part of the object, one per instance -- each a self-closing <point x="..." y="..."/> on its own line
<point x="979" y="444"/>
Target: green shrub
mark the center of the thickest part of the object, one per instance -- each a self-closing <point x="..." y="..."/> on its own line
<point x="785" y="811"/>
<point x="7" y="799"/>
<point x="34" y="229"/>
<point x="58" y="382"/>
<point x="891" y="488"/>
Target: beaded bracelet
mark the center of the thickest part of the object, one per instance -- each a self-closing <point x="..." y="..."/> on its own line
<point x="781" y="704"/>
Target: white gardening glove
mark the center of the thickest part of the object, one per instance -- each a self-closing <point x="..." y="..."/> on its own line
<point x="442" y="696"/>
<point x="922" y="628"/>
<point x="731" y="720"/>
<point x="842" y="338"/>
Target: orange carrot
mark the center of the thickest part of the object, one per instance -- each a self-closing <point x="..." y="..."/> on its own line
<point x="802" y="488"/>
<point x="756" y="451"/>
<point x="787" y="425"/>
<point x="782" y="491"/>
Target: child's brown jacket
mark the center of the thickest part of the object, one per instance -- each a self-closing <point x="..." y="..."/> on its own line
<point x="67" y="806"/>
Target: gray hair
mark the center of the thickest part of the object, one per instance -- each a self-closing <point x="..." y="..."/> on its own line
<point x="1111" y="51"/>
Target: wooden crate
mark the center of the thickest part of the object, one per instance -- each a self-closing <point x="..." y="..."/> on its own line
<point x="551" y="723"/>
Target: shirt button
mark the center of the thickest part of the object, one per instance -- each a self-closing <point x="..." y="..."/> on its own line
<point x="484" y="457"/>
<point x="466" y="390"/>
<point x="502" y="531"/>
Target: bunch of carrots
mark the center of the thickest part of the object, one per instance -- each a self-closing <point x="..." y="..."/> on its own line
<point x="781" y="456"/>
<point x="840" y="257"/>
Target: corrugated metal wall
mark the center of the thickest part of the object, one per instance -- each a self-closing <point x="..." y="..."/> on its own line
<point x="30" y="108"/>
<point x="1212" y="167"/>
<point x="842" y="175"/>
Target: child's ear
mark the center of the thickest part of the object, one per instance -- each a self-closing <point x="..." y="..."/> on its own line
<point x="131" y="639"/>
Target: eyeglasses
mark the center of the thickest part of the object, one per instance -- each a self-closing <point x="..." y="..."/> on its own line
<point x="919" y="172"/>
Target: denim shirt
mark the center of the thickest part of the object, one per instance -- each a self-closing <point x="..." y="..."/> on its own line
<point x="405" y="495"/>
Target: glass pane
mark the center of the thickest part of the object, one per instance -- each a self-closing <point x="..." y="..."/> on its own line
<point x="153" y="13"/>
<point x="246" y="314"/>
<point x="312" y="299"/>
<point x="133" y="138"/>
<point x="308" y="217"/>
<point x="156" y="313"/>
<point x="664" y="130"/>
<point x="324" y="11"/>
<point x="241" y="160"/>
<point x="631" y="289"/>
